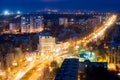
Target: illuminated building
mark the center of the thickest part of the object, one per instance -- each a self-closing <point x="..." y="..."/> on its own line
<point x="63" y="21"/>
<point x="14" y="27"/>
<point x="24" y="24"/>
<point x="46" y="44"/>
<point x="114" y="56"/>
<point x="11" y="27"/>
<point x="100" y="19"/>
<point x="31" y="24"/>
<point x="38" y="21"/>
<point x="114" y="48"/>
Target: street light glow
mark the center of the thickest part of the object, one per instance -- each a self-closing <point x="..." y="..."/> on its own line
<point x="29" y="58"/>
<point x="6" y="12"/>
<point x="18" y="12"/>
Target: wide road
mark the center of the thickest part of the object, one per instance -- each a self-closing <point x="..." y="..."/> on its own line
<point x="100" y="31"/>
<point x="38" y="64"/>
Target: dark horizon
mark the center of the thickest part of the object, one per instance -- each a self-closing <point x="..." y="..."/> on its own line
<point x="34" y="5"/>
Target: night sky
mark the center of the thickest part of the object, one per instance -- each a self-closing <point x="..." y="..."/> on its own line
<point x="34" y="5"/>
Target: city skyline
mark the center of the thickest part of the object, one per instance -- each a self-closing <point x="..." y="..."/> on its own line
<point x="34" y="5"/>
<point x="59" y="40"/>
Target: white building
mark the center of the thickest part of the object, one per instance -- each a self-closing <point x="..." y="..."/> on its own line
<point x="46" y="44"/>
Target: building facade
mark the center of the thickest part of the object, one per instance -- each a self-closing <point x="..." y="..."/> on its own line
<point x="63" y="21"/>
<point x="31" y="24"/>
<point x="46" y="44"/>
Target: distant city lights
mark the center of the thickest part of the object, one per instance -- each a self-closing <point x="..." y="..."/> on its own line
<point x="6" y="12"/>
<point x="18" y="12"/>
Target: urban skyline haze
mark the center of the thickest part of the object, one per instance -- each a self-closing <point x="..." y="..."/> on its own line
<point x="34" y="5"/>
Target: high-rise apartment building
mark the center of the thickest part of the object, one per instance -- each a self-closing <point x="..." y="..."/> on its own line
<point x="63" y="21"/>
<point x="31" y="24"/>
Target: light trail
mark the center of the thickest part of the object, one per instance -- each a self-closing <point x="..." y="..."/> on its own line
<point x="38" y="72"/>
<point x="42" y="60"/>
<point x="105" y="26"/>
<point x="100" y="31"/>
<point x="35" y="63"/>
<point x="23" y="71"/>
